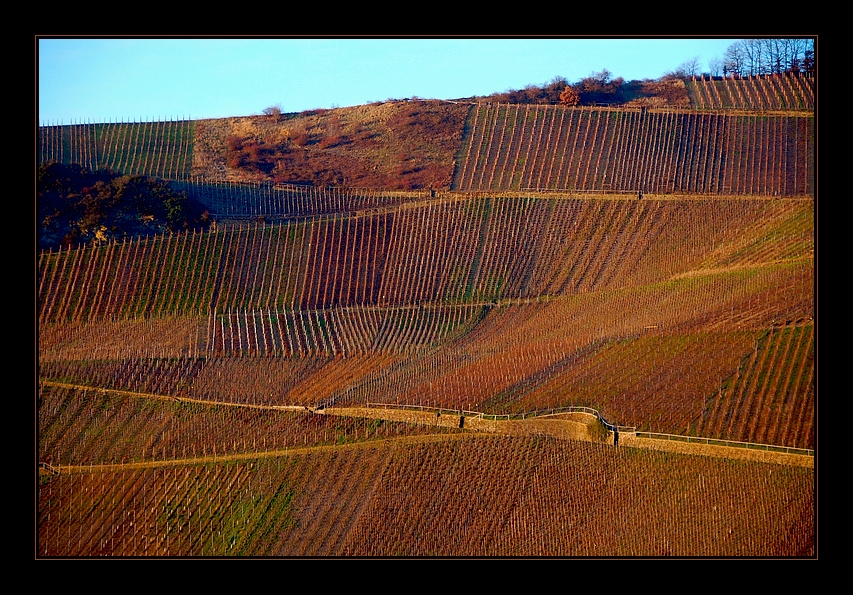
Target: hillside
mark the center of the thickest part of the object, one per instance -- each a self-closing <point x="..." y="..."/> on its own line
<point x="398" y="145"/>
<point x="416" y="144"/>
<point x="651" y="265"/>
<point x="637" y="273"/>
<point x="468" y="496"/>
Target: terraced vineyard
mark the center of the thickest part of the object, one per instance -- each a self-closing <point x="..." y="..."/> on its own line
<point x="448" y="251"/>
<point x="231" y="201"/>
<point x="540" y="497"/>
<point x="158" y="149"/>
<point x="187" y="382"/>
<point x="441" y="303"/>
<point x="789" y="91"/>
<point x="655" y="151"/>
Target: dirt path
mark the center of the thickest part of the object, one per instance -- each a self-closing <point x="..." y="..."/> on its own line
<point x="567" y="426"/>
<point x="713" y="450"/>
<point x="45" y="469"/>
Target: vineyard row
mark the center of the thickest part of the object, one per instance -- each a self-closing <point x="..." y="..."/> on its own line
<point x="555" y="147"/>
<point x="788" y="91"/>
<point x="656" y="357"/>
<point x="521" y="496"/>
<point x="730" y="384"/>
<point x="234" y="201"/>
<point x="479" y="250"/>
<point x="158" y="149"/>
<point x="337" y="331"/>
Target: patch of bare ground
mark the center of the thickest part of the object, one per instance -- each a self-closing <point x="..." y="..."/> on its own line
<point x="715" y="450"/>
<point x="569" y="426"/>
<point x="394" y="144"/>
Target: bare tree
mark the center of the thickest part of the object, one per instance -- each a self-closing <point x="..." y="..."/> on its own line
<point x="691" y="67"/>
<point x="767" y="56"/>
<point x="798" y="54"/>
<point x="273" y="112"/>
<point x="687" y="69"/>
<point x="715" y="67"/>
<point x="734" y="60"/>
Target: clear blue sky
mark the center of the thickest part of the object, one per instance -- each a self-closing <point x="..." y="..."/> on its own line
<point x="127" y="79"/>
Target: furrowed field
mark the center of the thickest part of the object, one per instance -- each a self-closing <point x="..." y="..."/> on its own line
<point x="598" y="340"/>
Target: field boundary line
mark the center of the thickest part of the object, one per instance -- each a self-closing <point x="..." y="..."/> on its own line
<point x="627" y="433"/>
<point x="59" y="469"/>
<point x="179" y="399"/>
<point x="728" y="443"/>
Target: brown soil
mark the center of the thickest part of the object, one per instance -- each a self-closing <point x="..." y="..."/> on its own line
<point x="394" y="144"/>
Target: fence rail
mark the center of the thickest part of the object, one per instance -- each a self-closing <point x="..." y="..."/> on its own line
<point x="506" y="416"/>
<point x="732" y="443"/>
<point x="608" y="425"/>
<point x="53" y="470"/>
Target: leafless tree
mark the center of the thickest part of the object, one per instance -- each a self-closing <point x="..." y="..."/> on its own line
<point x="715" y="67"/>
<point x="273" y="111"/>
<point x="767" y="56"/>
<point x="686" y="69"/>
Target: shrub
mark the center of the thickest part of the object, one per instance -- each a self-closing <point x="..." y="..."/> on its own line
<point x="76" y="206"/>
<point x="273" y="112"/>
<point x="300" y="138"/>
<point x="569" y="96"/>
<point x="327" y="142"/>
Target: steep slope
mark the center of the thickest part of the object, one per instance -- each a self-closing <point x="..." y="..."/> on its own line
<point x="196" y="364"/>
<point x="630" y="307"/>
<point x="661" y="151"/>
<point x="470" y="496"/>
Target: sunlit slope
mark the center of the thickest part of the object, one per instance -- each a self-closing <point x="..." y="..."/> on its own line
<point x="668" y="359"/>
<point x="653" y="312"/>
<point x="764" y="127"/>
<point x="449" y="251"/>
<point x="664" y="358"/>
<point x="785" y="91"/>
<point x="474" y="496"/>
<point x="512" y="147"/>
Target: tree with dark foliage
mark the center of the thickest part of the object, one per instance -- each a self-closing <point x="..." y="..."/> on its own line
<point x="76" y="206"/>
<point x="600" y="87"/>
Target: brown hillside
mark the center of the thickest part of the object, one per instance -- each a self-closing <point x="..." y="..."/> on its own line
<point x="630" y="307"/>
<point x="393" y="145"/>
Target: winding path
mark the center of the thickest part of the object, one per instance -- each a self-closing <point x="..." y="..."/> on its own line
<point x="568" y="426"/>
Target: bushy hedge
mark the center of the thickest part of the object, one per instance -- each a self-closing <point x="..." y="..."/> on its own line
<point x="76" y="206"/>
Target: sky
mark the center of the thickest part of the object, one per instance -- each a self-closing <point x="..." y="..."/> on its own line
<point x="94" y="80"/>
